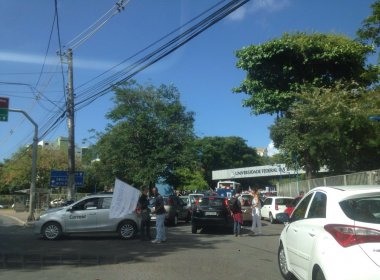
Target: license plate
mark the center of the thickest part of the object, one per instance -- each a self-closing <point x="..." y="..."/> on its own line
<point x="210" y="213"/>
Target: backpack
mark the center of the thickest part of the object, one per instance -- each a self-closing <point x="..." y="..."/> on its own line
<point x="235" y="207"/>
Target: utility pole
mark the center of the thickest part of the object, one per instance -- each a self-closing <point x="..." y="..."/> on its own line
<point x="71" y="128"/>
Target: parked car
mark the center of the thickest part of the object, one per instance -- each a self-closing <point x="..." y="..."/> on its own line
<point x="246" y="207"/>
<point x="88" y="215"/>
<point x="211" y="211"/>
<point x="333" y="233"/>
<point x="175" y="208"/>
<point x="290" y="207"/>
<point x="274" y="205"/>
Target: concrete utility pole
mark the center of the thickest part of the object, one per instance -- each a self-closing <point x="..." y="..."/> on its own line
<point x="71" y="128"/>
<point x="32" y="191"/>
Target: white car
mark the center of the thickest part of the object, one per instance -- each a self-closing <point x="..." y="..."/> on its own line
<point x="274" y="205"/>
<point x="88" y="215"/>
<point x="333" y="233"/>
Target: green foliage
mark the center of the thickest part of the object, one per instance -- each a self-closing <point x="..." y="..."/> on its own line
<point x="370" y="30"/>
<point x="331" y="127"/>
<point x="190" y="180"/>
<point x="150" y="135"/>
<point x="277" y="68"/>
<point x="16" y="172"/>
<point x="216" y="153"/>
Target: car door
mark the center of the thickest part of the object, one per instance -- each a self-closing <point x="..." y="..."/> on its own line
<point x="183" y="211"/>
<point x="311" y="228"/>
<point x="293" y="233"/>
<point x="265" y="209"/>
<point x="103" y="216"/>
<point x="81" y="217"/>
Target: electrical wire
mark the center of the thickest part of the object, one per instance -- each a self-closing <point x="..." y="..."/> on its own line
<point x="86" y="97"/>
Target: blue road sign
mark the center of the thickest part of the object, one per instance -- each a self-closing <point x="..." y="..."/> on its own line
<point x="59" y="178"/>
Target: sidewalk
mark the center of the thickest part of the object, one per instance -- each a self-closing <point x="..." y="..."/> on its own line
<point x="20" y="217"/>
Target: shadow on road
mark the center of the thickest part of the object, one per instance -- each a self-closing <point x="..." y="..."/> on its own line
<point x="21" y="249"/>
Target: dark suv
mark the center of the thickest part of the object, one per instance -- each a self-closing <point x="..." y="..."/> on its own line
<point x="211" y="211"/>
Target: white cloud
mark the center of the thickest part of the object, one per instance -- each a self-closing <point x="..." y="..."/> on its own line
<point x="239" y="14"/>
<point x="258" y="6"/>
<point x="271" y="149"/>
<point x="39" y="59"/>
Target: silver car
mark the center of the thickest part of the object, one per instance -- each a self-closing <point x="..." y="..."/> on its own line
<point x="88" y="215"/>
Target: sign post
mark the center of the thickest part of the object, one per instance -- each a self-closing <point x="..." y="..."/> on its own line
<point x="4" y="104"/>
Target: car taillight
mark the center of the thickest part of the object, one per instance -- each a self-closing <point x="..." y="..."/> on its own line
<point x="276" y="206"/>
<point x="347" y="235"/>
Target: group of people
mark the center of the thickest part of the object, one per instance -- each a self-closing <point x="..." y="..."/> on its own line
<point x="255" y="211"/>
<point x="159" y="210"/>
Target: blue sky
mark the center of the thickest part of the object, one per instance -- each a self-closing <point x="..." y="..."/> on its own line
<point x="203" y="70"/>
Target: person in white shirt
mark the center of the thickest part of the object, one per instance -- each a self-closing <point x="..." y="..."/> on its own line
<point x="256" y="213"/>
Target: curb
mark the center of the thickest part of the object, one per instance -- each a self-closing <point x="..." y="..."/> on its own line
<point x="21" y="222"/>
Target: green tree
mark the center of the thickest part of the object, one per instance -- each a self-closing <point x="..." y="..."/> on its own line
<point x="279" y="75"/>
<point x="149" y="137"/>
<point x="370" y="31"/>
<point x="331" y="127"/>
<point x="16" y="171"/>
<point x="277" y="68"/>
<point x="216" y="153"/>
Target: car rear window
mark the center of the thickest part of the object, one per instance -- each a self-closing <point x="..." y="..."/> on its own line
<point x="283" y="201"/>
<point x="211" y="201"/>
<point x="246" y="200"/>
<point x="363" y="209"/>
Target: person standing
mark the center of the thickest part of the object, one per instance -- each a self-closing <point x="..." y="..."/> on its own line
<point x="237" y="214"/>
<point x="256" y="213"/>
<point x="159" y="209"/>
<point x="143" y="206"/>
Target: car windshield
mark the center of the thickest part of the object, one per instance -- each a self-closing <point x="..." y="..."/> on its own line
<point x="211" y="201"/>
<point x="363" y="209"/>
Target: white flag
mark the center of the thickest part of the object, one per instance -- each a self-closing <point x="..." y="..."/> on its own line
<point x="124" y="199"/>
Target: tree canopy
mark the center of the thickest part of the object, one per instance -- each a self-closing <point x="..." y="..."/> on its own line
<point x="277" y="68"/>
<point x="216" y="153"/>
<point x="150" y="134"/>
<point x="331" y="127"/>
<point x="370" y="31"/>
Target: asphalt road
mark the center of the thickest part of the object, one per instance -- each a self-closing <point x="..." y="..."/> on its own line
<point x="212" y="254"/>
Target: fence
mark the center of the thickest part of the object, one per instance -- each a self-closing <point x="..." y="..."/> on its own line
<point x="360" y="178"/>
<point x="21" y="202"/>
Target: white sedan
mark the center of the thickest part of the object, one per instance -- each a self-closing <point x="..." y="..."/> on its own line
<point x="333" y="233"/>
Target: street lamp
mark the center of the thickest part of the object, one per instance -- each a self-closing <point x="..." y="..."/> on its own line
<point x="32" y="190"/>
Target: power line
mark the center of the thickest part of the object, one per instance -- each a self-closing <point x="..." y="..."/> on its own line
<point x="105" y="86"/>
<point x="92" y="29"/>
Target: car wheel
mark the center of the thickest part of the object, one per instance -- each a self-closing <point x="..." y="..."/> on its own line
<point x="193" y="228"/>
<point x="52" y="231"/>
<point x="318" y="274"/>
<point x="283" y="265"/>
<point x="271" y="219"/>
<point x="127" y="230"/>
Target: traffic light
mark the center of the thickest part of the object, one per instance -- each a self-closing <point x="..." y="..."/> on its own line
<point x="4" y="104"/>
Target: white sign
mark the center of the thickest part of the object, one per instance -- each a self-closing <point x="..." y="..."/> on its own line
<point x="255" y="171"/>
<point x="124" y="199"/>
